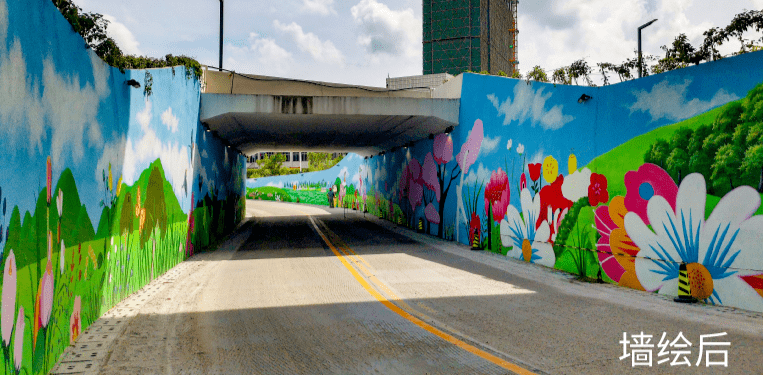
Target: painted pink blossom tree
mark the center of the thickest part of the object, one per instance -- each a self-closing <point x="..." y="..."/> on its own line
<point x="442" y="154"/>
<point x="465" y="158"/>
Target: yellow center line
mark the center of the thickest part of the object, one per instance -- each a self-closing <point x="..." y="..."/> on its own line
<point x="418" y="322"/>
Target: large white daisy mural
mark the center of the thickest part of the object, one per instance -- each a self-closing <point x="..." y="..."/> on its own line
<point x="529" y="241"/>
<point x="718" y="251"/>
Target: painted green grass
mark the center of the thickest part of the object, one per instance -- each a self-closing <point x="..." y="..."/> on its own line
<point x="630" y="155"/>
<point x="309" y="197"/>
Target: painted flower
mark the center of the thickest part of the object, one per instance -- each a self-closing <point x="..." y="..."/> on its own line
<point x="641" y="185"/>
<point x="597" y="190"/>
<point x="550" y="169"/>
<point x="534" y="171"/>
<point x="555" y="220"/>
<point x="18" y="342"/>
<point x="9" y="298"/>
<point x="111" y="184"/>
<point x="471" y="148"/>
<point x="718" y="251"/>
<point x="551" y="197"/>
<point x="576" y="185"/>
<point x="49" y="179"/>
<point x="497" y="194"/>
<point x="572" y="164"/>
<point x="443" y="148"/>
<point x="46" y="297"/>
<point x="431" y="214"/>
<point x="429" y="175"/>
<point x="62" y="257"/>
<point x="474" y="226"/>
<point x="119" y="185"/>
<point x="520" y="149"/>
<point x="522" y="182"/>
<point x="75" y="322"/>
<point x="616" y="250"/>
<point x="529" y="241"/>
<point x="508" y="145"/>
<point x="60" y="202"/>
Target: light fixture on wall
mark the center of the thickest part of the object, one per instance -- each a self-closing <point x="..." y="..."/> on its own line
<point x="449" y="129"/>
<point x="584" y="98"/>
<point x="133" y="83"/>
<point x="431" y="136"/>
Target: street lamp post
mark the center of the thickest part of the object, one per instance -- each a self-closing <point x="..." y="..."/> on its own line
<point x="639" y="41"/>
<point x="221" y="36"/>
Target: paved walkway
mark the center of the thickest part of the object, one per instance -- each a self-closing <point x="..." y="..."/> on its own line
<point x="302" y="289"/>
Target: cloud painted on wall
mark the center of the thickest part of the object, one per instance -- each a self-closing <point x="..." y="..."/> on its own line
<point x="668" y="100"/>
<point x="72" y="109"/>
<point x="113" y="152"/>
<point x="530" y="105"/>
<point x="489" y="145"/>
<point x="537" y="157"/>
<point x="170" y="120"/>
<point x="20" y="97"/>
<point x="481" y="175"/>
<point x="139" y="154"/>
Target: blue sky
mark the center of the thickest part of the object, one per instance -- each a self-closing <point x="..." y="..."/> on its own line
<point x="362" y="41"/>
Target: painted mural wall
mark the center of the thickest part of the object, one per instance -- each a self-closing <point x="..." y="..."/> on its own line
<point x="102" y="187"/>
<point x="338" y="186"/>
<point x="623" y="187"/>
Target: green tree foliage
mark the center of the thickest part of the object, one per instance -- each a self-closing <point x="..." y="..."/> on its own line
<point x="126" y="215"/>
<point x="729" y="152"/>
<point x="156" y="214"/>
<point x="269" y="166"/>
<point x="320" y="161"/>
<point x="537" y="74"/>
<point x="92" y="27"/>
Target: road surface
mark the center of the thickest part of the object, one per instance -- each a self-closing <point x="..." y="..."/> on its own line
<point x="302" y="289"/>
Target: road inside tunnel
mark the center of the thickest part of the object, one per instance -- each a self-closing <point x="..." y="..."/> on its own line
<point x="304" y="289"/>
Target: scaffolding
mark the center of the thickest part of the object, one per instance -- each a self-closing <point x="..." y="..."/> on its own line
<point x="469" y="35"/>
<point x="451" y="36"/>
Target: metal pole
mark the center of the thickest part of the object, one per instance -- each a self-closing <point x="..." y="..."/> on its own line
<point x="639" y="44"/>
<point x="221" y="36"/>
<point x="639" y="52"/>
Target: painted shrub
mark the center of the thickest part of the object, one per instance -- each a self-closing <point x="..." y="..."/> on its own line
<point x="102" y="187"/>
<point x="650" y="174"/>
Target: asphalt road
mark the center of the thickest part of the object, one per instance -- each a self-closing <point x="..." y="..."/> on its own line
<point x="307" y="290"/>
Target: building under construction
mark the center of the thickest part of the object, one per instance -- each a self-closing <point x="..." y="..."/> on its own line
<point x="475" y="35"/>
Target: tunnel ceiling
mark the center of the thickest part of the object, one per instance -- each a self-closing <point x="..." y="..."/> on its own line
<point x="366" y="126"/>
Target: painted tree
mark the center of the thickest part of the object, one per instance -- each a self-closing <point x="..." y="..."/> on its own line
<point x="156" y="213"/>
<point x="465" y="158"/>
<point x="442" y="154"/>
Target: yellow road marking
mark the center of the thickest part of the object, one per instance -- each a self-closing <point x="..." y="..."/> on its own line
<point x="418" y="322"/>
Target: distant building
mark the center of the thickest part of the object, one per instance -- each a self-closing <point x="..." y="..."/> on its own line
<point x="295" y="160"/>
<point x="424" y="82"/>
<point x="475" y="35"/>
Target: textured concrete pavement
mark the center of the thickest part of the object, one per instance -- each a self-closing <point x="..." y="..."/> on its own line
<point x="279" y="299"/>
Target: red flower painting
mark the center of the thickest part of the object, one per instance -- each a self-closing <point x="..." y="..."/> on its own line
<point x="597" y="190"/>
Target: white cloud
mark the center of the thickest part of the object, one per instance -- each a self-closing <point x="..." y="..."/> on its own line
<point x="3" y="23"/>
<point x="140" y="154"/>
<point x="113" y="152"/>
<point x="122" y="35"/>
<point x="668" y="100"/>
<point x="481" y="175"/>
<point x="20" y="100"/>
<point x="343" y="173"/>
<point x="537" y="157"/>
<point x="384" y="30"/>
<point x="489" y="145"/>
<point x="268" y="56"/>
<point x="72" y="111"/>
<point x="170" y="120"/>
<point x="322" y="7"/>
<point x="529" y="104"/>
<point x="324" y="52"/>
